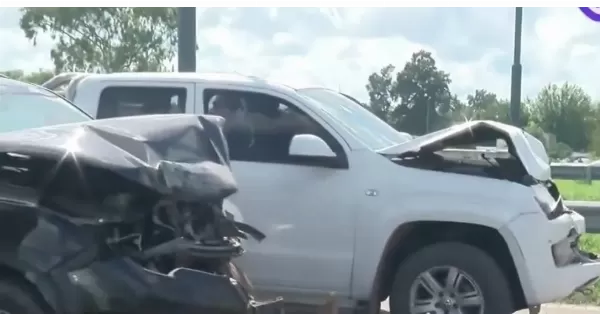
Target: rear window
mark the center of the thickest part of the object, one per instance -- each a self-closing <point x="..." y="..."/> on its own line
<point x="121" y="101"/>
<point x="24" y="106"/>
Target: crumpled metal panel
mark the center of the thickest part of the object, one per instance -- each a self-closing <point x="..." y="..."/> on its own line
<point x="181" y="155"/>
<point x="526" y="147"/>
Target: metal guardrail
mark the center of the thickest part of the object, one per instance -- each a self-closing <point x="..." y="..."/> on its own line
<point x="589" y="210"/>
<point x="576" y="171"/>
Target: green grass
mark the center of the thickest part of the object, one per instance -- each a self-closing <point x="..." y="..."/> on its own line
<point x="581" y="191"/>
<point x="590" y="243"/>
<point x="578" y="190"/>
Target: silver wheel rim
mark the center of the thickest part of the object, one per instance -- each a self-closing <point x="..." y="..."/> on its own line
<point x="445" y="290"/>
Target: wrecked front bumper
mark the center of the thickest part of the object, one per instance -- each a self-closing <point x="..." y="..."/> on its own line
<point x="122" y="286"/>
<point x="548" y="260"/>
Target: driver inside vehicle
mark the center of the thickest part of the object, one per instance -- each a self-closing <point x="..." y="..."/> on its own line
<point x="260" y="113"/>
<point x="259" y="127"/>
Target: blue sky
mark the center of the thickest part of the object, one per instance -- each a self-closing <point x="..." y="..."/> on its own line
<point x="339" y="48"/>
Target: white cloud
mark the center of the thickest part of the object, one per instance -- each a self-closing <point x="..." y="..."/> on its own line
<point x="16" y="51"/>
<point x="339" y="48"/>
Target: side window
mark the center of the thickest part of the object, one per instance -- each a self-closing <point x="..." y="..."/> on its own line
<point x="260" y="127"/>
<point x="131" y="101"/>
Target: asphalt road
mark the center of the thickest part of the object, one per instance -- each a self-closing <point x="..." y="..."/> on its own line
<point x="548" y="309"/>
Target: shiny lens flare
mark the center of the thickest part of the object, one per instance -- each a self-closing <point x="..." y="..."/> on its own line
<point x="467" y="120"/>
<point x="72" y="145"/>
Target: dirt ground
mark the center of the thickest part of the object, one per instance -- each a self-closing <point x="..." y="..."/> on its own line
<point x="547" y="309"/>
<point x="566" y="309"/>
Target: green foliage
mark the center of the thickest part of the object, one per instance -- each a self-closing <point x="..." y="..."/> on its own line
<point x="36" y="77"/>
<point x="556" y="150"/>
<point x="105" y="39"/>
<point x="594" y="146"/>
<point x="559" y="151"/>
<point x="566" y="112"/>
<point x="424" y="95"/>
<point x="418" y="100"/>
<point x="381" y="94"/>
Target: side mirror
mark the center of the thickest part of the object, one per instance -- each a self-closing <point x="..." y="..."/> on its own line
<point x="310" y="145"/>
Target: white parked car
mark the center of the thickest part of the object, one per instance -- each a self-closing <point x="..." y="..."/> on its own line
<point x="352" y="206"/>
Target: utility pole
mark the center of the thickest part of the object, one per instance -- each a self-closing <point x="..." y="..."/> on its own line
<point x="516" y="72"/>
<point x="186" y="40"/>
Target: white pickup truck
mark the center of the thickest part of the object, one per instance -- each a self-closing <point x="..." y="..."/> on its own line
<point x="351" y="206"/>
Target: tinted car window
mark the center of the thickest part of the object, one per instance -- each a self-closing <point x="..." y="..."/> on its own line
<point x="121" y="101"/>
<point x="24" y="106"/>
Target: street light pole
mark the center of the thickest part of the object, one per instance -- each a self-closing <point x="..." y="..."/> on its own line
<point x="516" y="72"/>
<point x="186" y="39"/>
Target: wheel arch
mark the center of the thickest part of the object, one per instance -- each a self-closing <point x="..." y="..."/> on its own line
<point x="409" y="237"/>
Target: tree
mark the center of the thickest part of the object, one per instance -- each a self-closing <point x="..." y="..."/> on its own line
<point x="105" y="39"/>
<point x="35" y="77"/>
<point x="556" y="150"/>
<point x="418" y="100"/>
<point x="460" y="110"/>
<point x="484" y="105"/>
<point x="566" y="112"/>
<point x="559" y="151"/>
<point x="594" y="145"/>
<point x="481" y="103"/>
<point x="382" y="98"/>
<point x="424" y="94"/>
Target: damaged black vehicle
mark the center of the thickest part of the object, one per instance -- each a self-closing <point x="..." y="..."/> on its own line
<point x="116" y="216"/>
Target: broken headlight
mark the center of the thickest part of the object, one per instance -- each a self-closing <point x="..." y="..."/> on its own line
<point x="549" y="199"/>
<point x="552" y="210"/>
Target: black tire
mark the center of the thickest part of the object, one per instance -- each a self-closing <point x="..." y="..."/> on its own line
<point x="480" y="267"/>
<point x="16" y="297"/>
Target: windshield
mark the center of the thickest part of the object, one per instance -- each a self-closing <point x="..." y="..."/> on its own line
<point x="24" y="106"/>
<point x="367" y="127"/>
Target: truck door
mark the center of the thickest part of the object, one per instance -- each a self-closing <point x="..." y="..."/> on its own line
<point x="302" y="205"/>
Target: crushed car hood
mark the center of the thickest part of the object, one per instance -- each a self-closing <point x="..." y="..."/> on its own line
<point x="180" y="155"/>
<point x="521" y="144"/>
